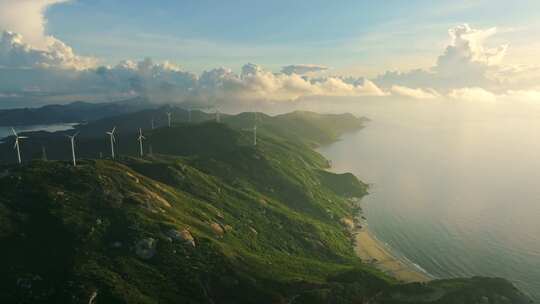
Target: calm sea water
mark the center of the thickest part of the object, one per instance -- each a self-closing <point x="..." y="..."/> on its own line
<point x="455" y="187"/>
<point x="6" y="131"/>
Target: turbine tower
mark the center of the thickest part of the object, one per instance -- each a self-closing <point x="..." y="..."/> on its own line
<point x="255" y="128"/>
<point x="255" y="135"/>
<point x="43" y="153"/>
<point x="152" y="123"/>
<point x="218" y="117"/>
<point x="72" y="140"/>
<point x="113" y="140"/>
<point x="17" y="144"/>
<point x="140" y="139"/>
<point x="169" y="118"/>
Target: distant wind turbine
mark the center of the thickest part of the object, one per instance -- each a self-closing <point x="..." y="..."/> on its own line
<point x="72" y="140"/>
<point x="43" y="153"/>
<point x="113" y="140"/>
<point x="218" y="117"/>
<point x="17" y="144"/>
<point x="255" y="128"/>
<point x="169" y="118"/>
<point x="140" y="139"/>
<point x="152" y="123"/>
<point x="255" y="135"/>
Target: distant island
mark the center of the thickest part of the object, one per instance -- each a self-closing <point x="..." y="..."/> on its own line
<point x="206" y="215"/>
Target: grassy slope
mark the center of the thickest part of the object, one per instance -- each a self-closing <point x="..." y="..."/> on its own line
<point x="69" y="232"/>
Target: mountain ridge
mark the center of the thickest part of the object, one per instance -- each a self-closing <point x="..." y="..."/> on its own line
<point x="207" y="218"/>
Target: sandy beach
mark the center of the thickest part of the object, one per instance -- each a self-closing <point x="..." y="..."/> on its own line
<point x="372" y="251"/>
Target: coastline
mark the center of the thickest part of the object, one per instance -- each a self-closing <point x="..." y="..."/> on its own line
<point x="373" y="252"/>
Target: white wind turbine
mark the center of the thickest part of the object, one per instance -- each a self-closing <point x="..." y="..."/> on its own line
<point x="169" y="118"/>
<point x="113" y="140"/>
<point x="72" y="140"/>
<point x="17" y="144"/>
<point x="152" y="123"/>
<point x="140" y="139"/>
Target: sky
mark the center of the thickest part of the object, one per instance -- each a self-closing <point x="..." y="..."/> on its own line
<point x="351" y="36"/>
<point x="215" y="51"/>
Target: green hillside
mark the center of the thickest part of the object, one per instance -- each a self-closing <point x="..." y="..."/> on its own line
<point x="208" y="218"/>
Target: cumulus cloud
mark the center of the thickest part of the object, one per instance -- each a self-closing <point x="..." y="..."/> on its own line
<point x="467" y="45"/>
<point x="466" y="62"/>
<point x="256" y="83"/>
<point x="414" y="93"/>
<point x="26" y="17"/>
<point x="164" y="81"/>
<point x="14" y="53"/>
<point x="33" y="62"/>
<point x="24" y="42"/>
<point x="302" y="69"/>
<point x="473" y="94"/>
<point x="467" y="70"/>
<point x="167" y="82"/>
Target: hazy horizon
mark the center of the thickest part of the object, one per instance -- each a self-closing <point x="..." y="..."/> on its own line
<point x="453" y="187"/>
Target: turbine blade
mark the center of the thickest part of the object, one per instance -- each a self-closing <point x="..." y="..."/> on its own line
<point x="22" y="137"/>
<point x="13" y="130"/>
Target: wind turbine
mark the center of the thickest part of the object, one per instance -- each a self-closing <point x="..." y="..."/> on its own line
<point x="218" y="118"/>
<point x="113" y="140"/>
<point x="255" y="129"/>
<point x="43" y="153"/>
<point x="140" y="139"/>
<point x="17" y="144"/>
<point x="72" y="140"/>
<point x="152" y="123"/>
<point x="169" y="118"/>
<point x="255" y="134"/>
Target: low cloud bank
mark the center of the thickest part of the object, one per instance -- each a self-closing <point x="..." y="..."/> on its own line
<point x="164" y="81"/>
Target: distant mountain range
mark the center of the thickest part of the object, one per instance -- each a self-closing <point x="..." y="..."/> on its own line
<point x="71" y="113"/>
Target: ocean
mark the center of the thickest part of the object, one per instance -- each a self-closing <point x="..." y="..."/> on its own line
<point x="454" y="186"/>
